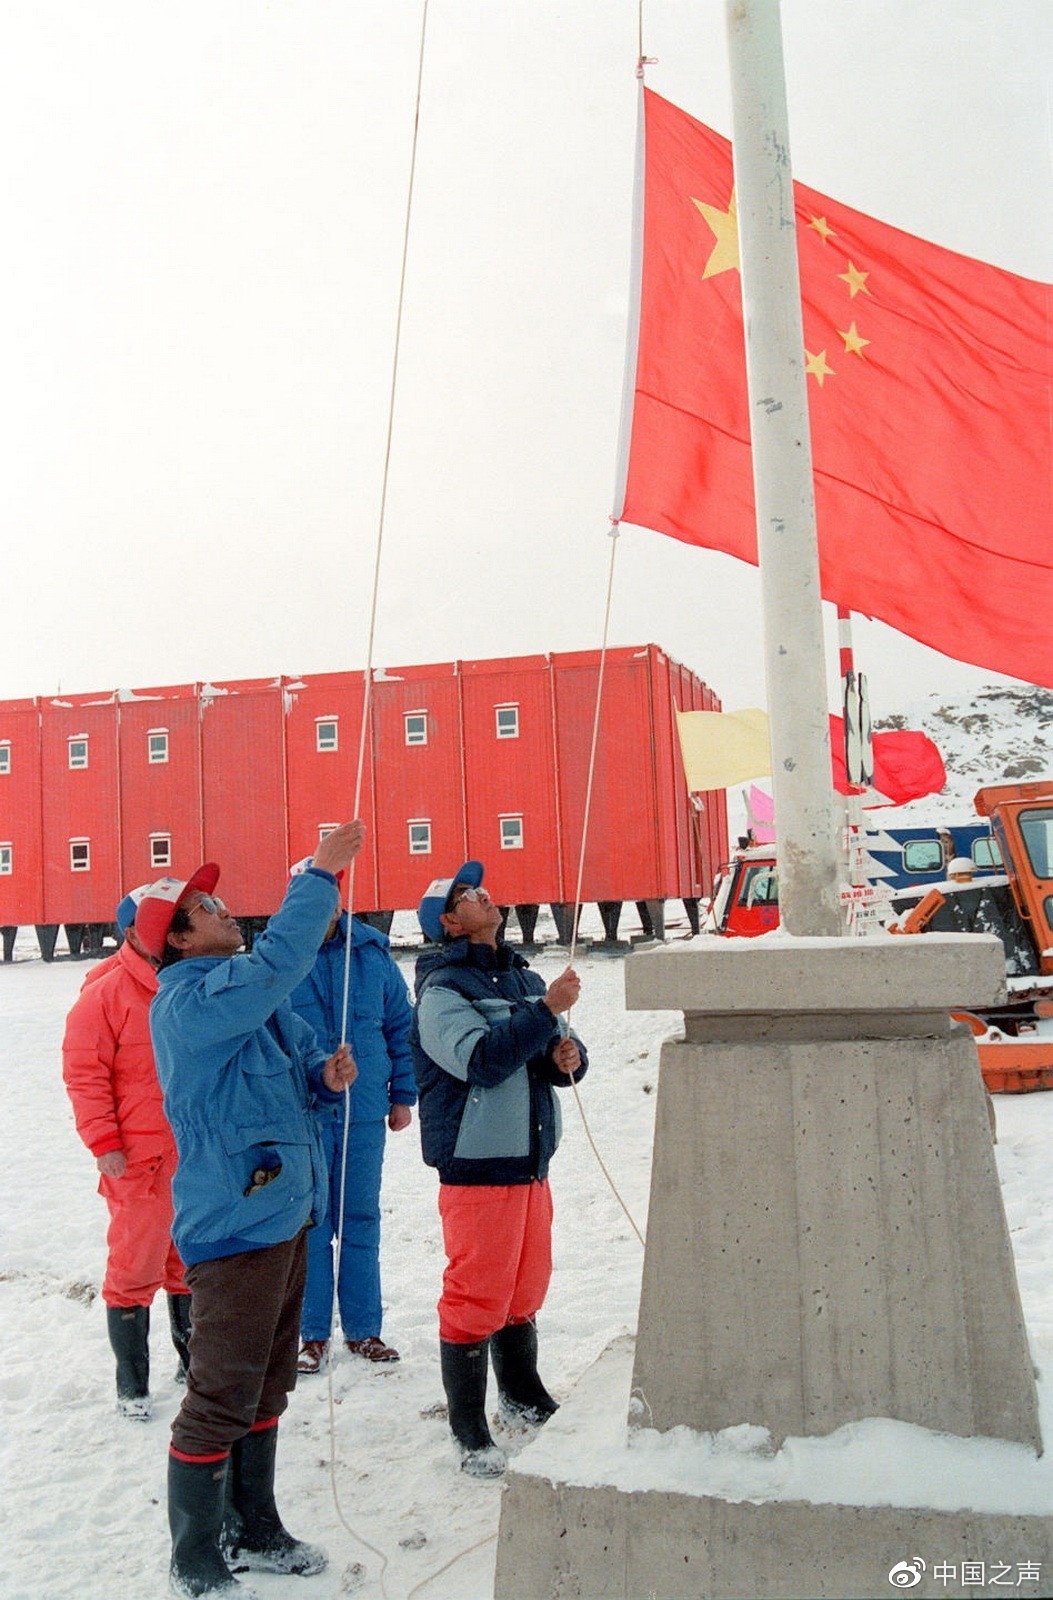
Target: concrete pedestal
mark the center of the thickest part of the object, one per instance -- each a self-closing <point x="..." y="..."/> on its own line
<point x="826" y="1243"/>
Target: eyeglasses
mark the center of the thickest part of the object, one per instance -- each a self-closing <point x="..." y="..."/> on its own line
<point x="469" y="894"/>
<point x="209" y="903"/>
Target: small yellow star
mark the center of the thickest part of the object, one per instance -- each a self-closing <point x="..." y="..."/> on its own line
<point x="724" y="256"/>
<point x="854" y="342"/>
<point x="855" y="279"/>
<point x="822" y="228"/>
<point x="816" y="365"/>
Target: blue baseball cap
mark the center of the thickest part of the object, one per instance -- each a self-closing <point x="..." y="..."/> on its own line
<point x="436" y="896"/>
<point x="125" y="914"/>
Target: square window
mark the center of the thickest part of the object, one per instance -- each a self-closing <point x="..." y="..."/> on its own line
<point x="325" y="829"/>
<point x="5" y="758"/>
<point x="6" y="856"/>
<point x="78" y="751"/>
<point x="507" y="721"/>
<point x="511" y="833"/>
<point x="157" y="746"/>
<point x="80" y="855"/>
<point x="922" y="855"/>
<point x="416" y="727"/>
<point x="160" y="849"/>
<point x="420" y="838"/>
<point x="326" y="733"/>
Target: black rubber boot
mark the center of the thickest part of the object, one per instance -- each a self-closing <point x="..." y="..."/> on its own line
<point x="254" y="1537"/>
<point x="179" y="1322"/>
<point x="196" y="1495"/>
<point x="524" y="1398"/>
<point x="129" y="1331"/>
<point x="464" y="1369"/>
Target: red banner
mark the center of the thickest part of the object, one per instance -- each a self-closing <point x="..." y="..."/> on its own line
<point x="929" y="389"/>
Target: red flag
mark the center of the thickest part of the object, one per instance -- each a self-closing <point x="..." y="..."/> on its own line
<point x="929" y="392"/>
<point x="907" y="765"/>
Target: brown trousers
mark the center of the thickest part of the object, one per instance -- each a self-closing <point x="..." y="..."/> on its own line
<point x="245" y="1328"/>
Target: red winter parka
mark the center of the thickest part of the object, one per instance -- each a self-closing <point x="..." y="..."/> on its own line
<point x="108" y="1061"/>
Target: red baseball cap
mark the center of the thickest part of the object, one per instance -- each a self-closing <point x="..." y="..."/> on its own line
<point x="161" y="902"/>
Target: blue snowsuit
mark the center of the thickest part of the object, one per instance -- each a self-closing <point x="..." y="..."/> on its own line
<point x="378" y="1025"/>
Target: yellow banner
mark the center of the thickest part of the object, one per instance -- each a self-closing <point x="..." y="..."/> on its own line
<point x="721" y="748"/>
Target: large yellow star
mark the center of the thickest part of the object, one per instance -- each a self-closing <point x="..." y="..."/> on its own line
<point x="854" y="342"/>
<point x="816" y="365"/>
<point x="822" y="228"/>
<point x="855" y="279"/>
<point x="724" y="256"/>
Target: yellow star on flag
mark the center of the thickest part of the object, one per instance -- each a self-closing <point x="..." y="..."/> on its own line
<point x="822" y="228"/>
<point x="854" y="342"/>
<point x="855" y="279"/>
<point x="817" y="367"/>
<point x="724" y="256"/>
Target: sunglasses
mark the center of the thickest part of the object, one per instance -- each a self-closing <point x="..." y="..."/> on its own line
<point x="469" y="894"/>
<point x="211" y="904"/>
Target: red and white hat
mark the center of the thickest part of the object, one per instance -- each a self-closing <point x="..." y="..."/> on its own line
<point x="161" y="902"/>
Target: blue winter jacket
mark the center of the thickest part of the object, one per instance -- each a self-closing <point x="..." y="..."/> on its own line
<point x="240" y="1072"/>
<point x="378" y="1018"/>
<point x="482" y="1042"/>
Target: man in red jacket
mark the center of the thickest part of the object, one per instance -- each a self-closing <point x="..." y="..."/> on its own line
<point x="108" y="1067"/>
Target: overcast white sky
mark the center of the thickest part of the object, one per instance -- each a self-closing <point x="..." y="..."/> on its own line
<point x="204" y="217"/>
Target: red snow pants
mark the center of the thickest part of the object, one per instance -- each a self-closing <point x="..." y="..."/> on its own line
<point x="141" y="1256"/>
<point x="498" y="1241"/>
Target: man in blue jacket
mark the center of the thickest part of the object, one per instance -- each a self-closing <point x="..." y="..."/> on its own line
<point x="377" y="1026"/>
<point x="240" y="1074"/>
<point x="489" y="1050"/>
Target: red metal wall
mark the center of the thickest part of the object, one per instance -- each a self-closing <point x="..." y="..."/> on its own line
<point x="321" y="783"/>
<point x="79" y="804"/>
<point x="422" y="782"/>
<point x="243" y="792"/>
<point x="22" y="891"/>
<point x="160" y="797"/>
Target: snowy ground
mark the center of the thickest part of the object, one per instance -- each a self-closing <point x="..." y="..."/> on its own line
<point x="83" y="1491"/>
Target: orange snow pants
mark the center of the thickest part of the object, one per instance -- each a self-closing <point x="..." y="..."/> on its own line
<point x="141" y="1256"/>
<point x="498" y="1241"/>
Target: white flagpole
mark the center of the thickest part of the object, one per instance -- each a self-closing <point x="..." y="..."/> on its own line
<point x="809" y="868"/>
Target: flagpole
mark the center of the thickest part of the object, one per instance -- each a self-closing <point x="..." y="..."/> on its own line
<point x="809" y="900"/>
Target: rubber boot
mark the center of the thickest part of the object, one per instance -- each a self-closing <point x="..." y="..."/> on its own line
<point x="464" y="1368"/>
<point x="179" y="1322"/>
<point x="254" y="1537"/>
<point x="129" y="1331"/>
<point x="196" y="1495"/>
<point x="524" y="1399"/>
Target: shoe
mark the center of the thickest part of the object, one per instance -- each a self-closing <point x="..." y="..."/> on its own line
<point x="372" y="1349"/>
<point x="135" y="1408"/>
<point x="464" y="1370"/>
<point x="524" y="1403"/>
<point x="129" y="1332"/>
<point x="312" y="1355"/>
<point x="196" y="1499"/>
<point x="254" y="1538"/>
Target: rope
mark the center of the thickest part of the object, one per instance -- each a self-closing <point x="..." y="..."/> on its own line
<point x="367" y="706"/>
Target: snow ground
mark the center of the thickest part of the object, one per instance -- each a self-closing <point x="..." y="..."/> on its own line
<point x="83" y="1491"/>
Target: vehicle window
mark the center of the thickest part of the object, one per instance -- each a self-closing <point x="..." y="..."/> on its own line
<point x="760" y="886"/>
<point x="923" y="855"/>
<point x="985" y="853"/>
<point x="1037" y="829"/>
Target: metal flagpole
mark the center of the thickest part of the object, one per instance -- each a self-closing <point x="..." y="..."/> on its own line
<point x="809" y="872"/>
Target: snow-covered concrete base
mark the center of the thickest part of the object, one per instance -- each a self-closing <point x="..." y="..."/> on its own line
<point x="596" y="1510"/>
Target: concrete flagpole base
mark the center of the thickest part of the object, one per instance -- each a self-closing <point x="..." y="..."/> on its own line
<point x="826" y="1244"/>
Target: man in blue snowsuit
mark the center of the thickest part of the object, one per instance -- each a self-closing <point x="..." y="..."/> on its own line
<point x="240" y="1074"/>
<point x="378" y="1024"/>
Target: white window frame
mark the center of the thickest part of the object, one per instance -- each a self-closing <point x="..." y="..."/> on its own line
<point x="419" y="736"/>
<point x="328" y="743"/>
<point x="514" y="839"/>
<point x="423" y="846"/>
<point x="5" y="757"/>
<point x="507" y="732"/>
<point x="160" y="850"/>
<point x="78" y="739"/>
<point x="7" y="859"/>
<point x="159" y="756"/>
<point x="75" y="864"/>
<point x="325" y="829"/>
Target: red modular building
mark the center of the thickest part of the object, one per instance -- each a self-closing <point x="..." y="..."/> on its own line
<point x="486" y="759"/>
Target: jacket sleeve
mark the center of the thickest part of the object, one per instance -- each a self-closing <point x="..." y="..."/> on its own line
<point x="311" y="1054"/>
<point x="398" y="1015"/>
<point x="88" y="1051"/>
<point x="238" y="995"/>
<point x="458" y="1038"/>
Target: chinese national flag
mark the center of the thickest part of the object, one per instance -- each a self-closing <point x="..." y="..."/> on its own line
<point x="929" y="390"/>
